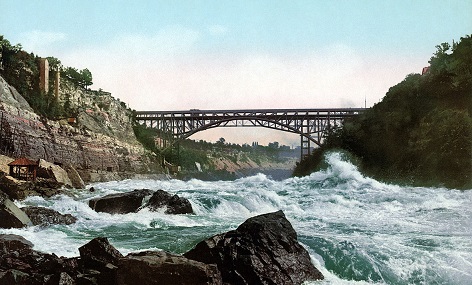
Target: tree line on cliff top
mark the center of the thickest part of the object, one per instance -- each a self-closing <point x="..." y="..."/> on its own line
<point x="421" y="131"/>
<point x="21" y="70"/>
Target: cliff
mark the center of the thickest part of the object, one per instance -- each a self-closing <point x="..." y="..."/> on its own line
<point x="100" y="143"/>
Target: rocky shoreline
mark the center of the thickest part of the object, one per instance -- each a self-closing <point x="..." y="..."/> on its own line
<point x="262" y="250"/>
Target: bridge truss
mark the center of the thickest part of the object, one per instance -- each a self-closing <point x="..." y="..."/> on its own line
<point x="310" y="124"/>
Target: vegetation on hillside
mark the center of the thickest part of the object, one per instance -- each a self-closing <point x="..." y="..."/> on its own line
<point x="186" y="153"/>
<point x="20" y="70"/>
<point x="421" y="132"/>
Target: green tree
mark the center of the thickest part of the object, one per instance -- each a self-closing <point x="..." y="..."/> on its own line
<point x="86" y="78"/>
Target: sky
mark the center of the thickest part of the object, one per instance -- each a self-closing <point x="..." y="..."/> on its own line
<point x="180" y="55"/>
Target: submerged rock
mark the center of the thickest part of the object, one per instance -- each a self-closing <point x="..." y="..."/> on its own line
<point x="10" y="215"/>
<point x="45" y="217"/>
<point x="262" y="250"/>
<point x="173" y="203"/>
<point x="121" y="203"/>
<point x="159" y="267"/>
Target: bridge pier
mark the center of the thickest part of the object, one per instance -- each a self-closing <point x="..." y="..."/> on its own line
<point x="305" y="147"/>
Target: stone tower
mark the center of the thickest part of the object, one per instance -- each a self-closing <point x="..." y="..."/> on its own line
<point x="43" y="75"/>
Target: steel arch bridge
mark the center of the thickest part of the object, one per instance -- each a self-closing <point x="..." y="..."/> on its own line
<point x="310" y="124"/>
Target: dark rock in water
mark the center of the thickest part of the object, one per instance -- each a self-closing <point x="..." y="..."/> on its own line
<point x="10" y="215"/>
<point x="43" y="216"/>
<point x="98" y="253"/>
<point x="173" y="203"/>
<point x="13" y="243"/>
<point x="262" y="250"/>
<point x="158" y="267"/>
<point x="120" y="203"/>
<point x="20" y="264"/>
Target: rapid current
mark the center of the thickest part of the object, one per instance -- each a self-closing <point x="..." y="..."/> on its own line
<point x="356" y="229"/>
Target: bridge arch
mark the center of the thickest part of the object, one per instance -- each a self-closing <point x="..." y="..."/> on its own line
<point x="310" y="124"/>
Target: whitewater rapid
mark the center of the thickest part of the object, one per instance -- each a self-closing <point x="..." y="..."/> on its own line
<point x="356" y="229"/>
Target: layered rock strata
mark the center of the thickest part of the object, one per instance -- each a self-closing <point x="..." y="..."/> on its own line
<point x="100" y="140"/>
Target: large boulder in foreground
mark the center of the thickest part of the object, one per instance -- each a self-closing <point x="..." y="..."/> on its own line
<point x="120" y="203"/>
<point x="98" y="253"/>
<point x="45" y="217"/>
<point x="10" y="215"/>
<point x="173" y="204"/>
<point x="159" y="267"/>
<point x="262" y="250"/>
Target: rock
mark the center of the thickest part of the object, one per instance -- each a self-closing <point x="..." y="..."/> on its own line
<point x="10" y="215"/>
<point x="173" y="203"/>
<point x="98" y="253"/>
<point x="160" y="267"/>
<point x="51" y="170"/>
<point x="19" y="189"/>
<point x="13" y="243"/>
<point x="74" y="177"/>
<point x="20" y="264"/>
<point x="262" y="250"/>
<point x="120" y="203"/>
<point x="61" y="278"/>
<point x="15" y="189"/>
<point x="13" y="276"/>
<point x="45" y="217"/>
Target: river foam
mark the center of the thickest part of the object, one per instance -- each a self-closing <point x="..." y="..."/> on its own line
<point x="357" y="230"/>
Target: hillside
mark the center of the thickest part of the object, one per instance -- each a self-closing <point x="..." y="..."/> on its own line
<point x="89" y="131"/>
<point x="421" y="132"/>
<point x="94" y="133"/>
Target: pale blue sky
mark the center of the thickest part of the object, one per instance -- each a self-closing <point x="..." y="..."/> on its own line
<point x="239" y="54"/>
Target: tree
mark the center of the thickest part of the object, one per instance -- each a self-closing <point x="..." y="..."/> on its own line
<point x="86" y="78"/>
<point x="221" y="142"/>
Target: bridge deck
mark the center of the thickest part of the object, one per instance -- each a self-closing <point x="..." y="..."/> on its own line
<point x="219" y="114"/>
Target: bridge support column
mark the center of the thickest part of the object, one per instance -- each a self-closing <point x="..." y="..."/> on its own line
<point x="305" y="147"/>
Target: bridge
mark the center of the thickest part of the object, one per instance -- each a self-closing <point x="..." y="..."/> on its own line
<point x="310" y="124"/>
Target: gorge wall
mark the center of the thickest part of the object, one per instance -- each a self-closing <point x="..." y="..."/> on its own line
<point x="99" y="142"/>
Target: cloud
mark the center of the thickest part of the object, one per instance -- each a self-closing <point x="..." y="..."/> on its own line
<point x="40" y="41"/>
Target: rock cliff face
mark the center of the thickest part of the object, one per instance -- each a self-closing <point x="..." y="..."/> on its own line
<point x="100" y="141"/>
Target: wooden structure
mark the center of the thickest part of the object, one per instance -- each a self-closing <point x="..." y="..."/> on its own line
<point x="24" y="169"/>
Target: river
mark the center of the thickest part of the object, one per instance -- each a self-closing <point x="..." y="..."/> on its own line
<point x="356" y="229"/>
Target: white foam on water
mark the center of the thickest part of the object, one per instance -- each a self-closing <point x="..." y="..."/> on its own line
<point x="403" y="234"/>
